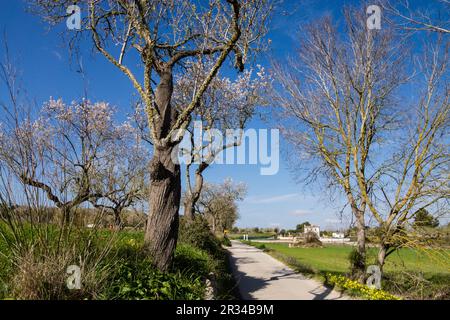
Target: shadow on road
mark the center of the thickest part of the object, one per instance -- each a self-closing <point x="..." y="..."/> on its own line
<point x="252" y="284"/>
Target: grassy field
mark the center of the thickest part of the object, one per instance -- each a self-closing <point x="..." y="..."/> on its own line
<point x="408" y="273"/>
<point x="115" y="265"/>
<point x="335" y="258"/>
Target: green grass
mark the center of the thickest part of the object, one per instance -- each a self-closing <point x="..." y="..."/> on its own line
<point x="335" y="258"/>
<point x="409" y="273"/>
<point x="132" y="275"/>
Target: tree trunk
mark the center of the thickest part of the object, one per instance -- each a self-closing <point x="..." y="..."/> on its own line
<point x="162" y="225"/>
<point x="193" y="196"/>
<point x="118" y="219"/>
<point x="189" y="208"/>
<point x="165" y="182"/>
<point x="65" y="216"/>
<point x="382" y="255"/>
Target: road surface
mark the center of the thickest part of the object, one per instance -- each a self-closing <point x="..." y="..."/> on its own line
<point x="261" y="277"/>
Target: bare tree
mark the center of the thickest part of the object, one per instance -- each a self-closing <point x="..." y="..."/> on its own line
<point x="336" y="95"/>
<point x="165" y="34"/>
<point x="435" y="18"/>
<point x="415" y="173"/>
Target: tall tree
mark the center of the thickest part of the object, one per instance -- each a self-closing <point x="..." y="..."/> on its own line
<point x="166" y="34"/>
<point x="335" y="97"/>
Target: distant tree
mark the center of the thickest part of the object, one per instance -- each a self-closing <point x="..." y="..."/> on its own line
<point x="422" y="218"/>
<point x="218" y="203"/>
<point x="301" y="227"/>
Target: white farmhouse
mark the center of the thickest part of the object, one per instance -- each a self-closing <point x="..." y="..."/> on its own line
<point x="313" y="228"/>
<point x="338" y="235"/>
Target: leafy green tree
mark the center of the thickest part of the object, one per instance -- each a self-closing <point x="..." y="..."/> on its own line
<point x="422" y="218"/>
<point x="301" y="227"/>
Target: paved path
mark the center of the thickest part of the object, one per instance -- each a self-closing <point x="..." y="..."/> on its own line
<point x="261" y="277"/>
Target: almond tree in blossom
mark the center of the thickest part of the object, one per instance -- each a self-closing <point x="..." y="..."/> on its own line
<point x="165" y="35"/>
<point x="226" y="107"/>
<point x="61" y="151"/>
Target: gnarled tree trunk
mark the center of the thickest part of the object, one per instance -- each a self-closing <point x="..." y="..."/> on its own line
<point x="165" y="192"/>
<point x="165" y="182"/>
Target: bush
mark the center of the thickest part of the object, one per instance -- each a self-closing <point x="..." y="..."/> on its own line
<point x="357" y="263"/>
<point x="44" y="276"/>
<point x="226" y="241"/>
<point x="418" y="285"/>
<point x="114" y="265"/>
<point x="198" y="234"/>
<point x="138" y="279"/>
<point x="261" y="246"/>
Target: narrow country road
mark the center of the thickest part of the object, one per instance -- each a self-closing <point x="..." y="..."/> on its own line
<point x="261" y="277"/>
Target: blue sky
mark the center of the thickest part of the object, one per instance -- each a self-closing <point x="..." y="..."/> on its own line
<point x="46" y="71"/>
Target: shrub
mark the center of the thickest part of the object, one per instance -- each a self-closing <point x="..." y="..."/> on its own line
<point x="198" y="234"/>
<point x="261" y="246"/>
<point x="226" y="241"/>
<point x="138" y="279"/>
<point x="40" y="271"/>
<point x="357" y="263"/>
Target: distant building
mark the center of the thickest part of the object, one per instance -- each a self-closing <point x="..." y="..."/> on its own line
<point x="314" y="229"/>
<point x="338" y="235"/>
